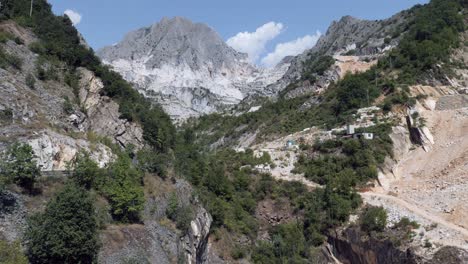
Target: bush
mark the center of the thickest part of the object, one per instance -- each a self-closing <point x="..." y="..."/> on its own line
<point x="6" y="115"/>
<point x="374" y="219"/>
<point x="10" y="60"/>
<point x="18" y="164"/>
<point x="5" y="36"/>
<point x="12" y="253"/>
<point x="68" y="106"/>
<point x="37" y="47"/>
<point x="406" y="223"/>
<point x="30" y="81"/>
<point x="182" y="215"/>
<point x="66" y="232"/>
<point x="152" y="162"/>
<point x="86" y="171"/>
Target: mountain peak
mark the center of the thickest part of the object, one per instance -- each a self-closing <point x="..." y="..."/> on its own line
<point x="187" y="67"/>
<point x="174" y="41"/>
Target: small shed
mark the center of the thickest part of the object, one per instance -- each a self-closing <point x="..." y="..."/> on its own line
<point x="369" y="136"/>
<point x="365" y="135"/>
<point x="350" y="129"/>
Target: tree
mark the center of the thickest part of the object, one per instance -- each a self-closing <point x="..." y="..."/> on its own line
<point x="124" y="190"/>
<point x="86" y="171"/>
<point x="18" y="165"/>
<point x="374" y="219"/>
<point x="66" y="232"/>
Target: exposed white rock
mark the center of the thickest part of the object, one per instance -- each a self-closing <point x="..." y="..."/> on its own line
<point x="55" y="150"/>
<point x="196" y="240"/>
<point x="188" y="68"/>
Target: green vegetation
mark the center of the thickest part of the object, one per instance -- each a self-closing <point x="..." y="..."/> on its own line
<point x="224" y="180"/>
<point x="59" y="41"/>
<point x="287" y="246"/>
<point x="7" y="59"/>
<point x="158" y="163"/>
<point x="316" y="65"/>
<point x="86" y="172"/>
<point x="120" y="183"/>
<point x="182" y="215"/>
<point x="429" y="41"/>
<point x="12" y="253"/>
<point x="432" y="34"/>
<point x="18" y="166"/>
<point x="6" y="115"/>
<point x="66" y="232"/>
<point x="374" y="219"/>
<point x="406" y="223"/>
<point x="357" y="160"/>
<point x="67" y="106"/>
<point x="31" y="81"/>
<point x="123" y="188"/>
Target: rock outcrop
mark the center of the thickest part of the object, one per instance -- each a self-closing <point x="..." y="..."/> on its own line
<point x="54" y="151"/>
<point x="195" y="242"/>
<point x="187" y="68"/>
<point x="157" y="240"/>
<point x="103" y="115"/>
<point x="364" y="39"/>
<point x="36" y="113"/>
<point x="354" y="246"/>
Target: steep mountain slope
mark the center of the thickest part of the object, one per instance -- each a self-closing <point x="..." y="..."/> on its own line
<point x="187" y="68"/>
<point x="57" y="98"/>
<point x="47" y="112"/>
<point x="295" y="197"/>
<point x="365" y="39"/>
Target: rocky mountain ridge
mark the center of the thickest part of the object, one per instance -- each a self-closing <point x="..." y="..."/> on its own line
<point x="366" y="39"/>
<point x="187" y="68"/>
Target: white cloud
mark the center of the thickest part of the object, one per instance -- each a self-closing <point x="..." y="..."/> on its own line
<point x="290" y="48"/>
<point x="74" y="16"/>
<point x="253" y="43"/>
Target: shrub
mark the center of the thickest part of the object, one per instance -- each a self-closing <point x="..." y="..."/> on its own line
<point x="182" y="215"/>
<point x="152" y="162"/>
<point x="18" y="41"/>
<point x="66" y="232"/>
<point x="5" y="36"/>
<point x="37" y="47"/>
<point x="68" y="106"/>
<point x="30" y="81"/>
<point x="6" y="115"/>
<point x="374" y="219"/>
<point x="238" y="252"/>
<point x="15" y="61"/>
<point x="12" y="253"/>
<point x="86" y="171"/>
<point x="406" y="223"/>
<point x="18" y="164"/>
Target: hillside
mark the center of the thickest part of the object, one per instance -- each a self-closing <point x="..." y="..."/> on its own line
<point x="355" y="152"/>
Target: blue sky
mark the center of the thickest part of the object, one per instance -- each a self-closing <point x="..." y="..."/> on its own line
<point x="104" y="22"/>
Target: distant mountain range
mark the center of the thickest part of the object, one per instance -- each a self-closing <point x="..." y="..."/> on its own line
<point x="189" y="69"/>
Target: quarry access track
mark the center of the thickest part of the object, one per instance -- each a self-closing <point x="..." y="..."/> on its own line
<point x="420" y="212"/>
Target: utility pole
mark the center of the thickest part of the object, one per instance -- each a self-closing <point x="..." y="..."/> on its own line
<point x="30" y="11"/>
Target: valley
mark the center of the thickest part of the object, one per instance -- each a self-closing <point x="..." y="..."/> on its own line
<point x="171" y="146"/>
